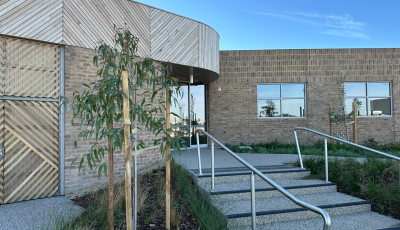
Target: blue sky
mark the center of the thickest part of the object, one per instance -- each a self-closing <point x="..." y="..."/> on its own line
<point x="264" y="24"/>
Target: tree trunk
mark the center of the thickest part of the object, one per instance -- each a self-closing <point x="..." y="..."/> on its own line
<point x="110" y="182"/>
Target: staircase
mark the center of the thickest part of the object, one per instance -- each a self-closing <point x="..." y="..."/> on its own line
<point x="274" y="211"/>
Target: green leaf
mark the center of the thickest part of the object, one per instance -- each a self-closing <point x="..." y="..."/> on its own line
<point x="73" y="161"/>
<point x="105" y="168"/>
<point x="80" y="164"/>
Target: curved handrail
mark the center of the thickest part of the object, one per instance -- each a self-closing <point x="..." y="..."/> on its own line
<point x="323" y="213"/>
<point x="341" y="140"/>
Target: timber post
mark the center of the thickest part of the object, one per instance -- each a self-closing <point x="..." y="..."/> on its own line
<point x="127" y="142"/>
<point x="168" y="170"/>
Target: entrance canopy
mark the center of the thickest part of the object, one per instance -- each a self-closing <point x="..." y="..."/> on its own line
<point x="200" y="76"/>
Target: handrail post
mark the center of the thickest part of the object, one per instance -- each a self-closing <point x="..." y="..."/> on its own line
<point x="298" y="149"/>
<point x="326" y="161"/>
<point x="198" y="152"/>
<point x="253" y="201"/>
<point x="212" y="166"/>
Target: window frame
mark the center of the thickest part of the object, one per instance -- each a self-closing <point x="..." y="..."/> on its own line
<point x="280" y="100"/>
<point x="367" y="97"/>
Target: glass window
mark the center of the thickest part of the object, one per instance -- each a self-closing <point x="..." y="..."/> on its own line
<point x="281" y="100"/>
<point x="373" y="98"/>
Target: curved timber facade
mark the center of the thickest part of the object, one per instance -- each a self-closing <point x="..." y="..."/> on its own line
<point x="164" y="36"/>
<point x="74" y="28"/>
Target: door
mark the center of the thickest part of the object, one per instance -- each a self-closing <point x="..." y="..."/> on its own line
<point x="30" y="140"/>
<point x="198" y="114"/>
<point x="181" y="108"/>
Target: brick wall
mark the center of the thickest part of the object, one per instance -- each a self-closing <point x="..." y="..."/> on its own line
<point x="79" y="69"/>
<point x="233" y="111"/>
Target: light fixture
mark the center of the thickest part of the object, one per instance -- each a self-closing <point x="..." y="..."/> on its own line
<point x="191" y="74"/>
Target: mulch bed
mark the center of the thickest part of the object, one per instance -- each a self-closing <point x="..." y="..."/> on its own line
<point x="153" y="216"/>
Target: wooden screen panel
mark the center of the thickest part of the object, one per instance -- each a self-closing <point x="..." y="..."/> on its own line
<point x="31" y="150"/>
<point x="1" y="151"/>
<point x="2" y="63"/>
<point x="29" y="68"/>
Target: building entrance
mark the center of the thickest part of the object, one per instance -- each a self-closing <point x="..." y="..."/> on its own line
<point x="192" y="114"/>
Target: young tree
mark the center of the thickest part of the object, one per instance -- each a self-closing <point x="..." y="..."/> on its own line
<point x="100" y="106"/>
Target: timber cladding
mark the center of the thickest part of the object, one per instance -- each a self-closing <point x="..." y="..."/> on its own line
<point x="29" y="115"/>
<point x="79" y="69"/>
<point x="233" y="110"/>
<point x="164" y="36"/>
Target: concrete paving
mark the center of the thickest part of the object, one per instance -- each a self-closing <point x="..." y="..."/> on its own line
<point x="38" y="214"/>
<point x="188" y="158"/>
<point x="356" y="221"/>
<point x="223" y="159"/>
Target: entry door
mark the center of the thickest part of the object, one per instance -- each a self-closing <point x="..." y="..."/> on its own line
<point x="198" y="114"/>
<point x="30" y="157"/>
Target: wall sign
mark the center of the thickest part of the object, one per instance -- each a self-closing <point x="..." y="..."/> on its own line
<point x="219" y="88"/>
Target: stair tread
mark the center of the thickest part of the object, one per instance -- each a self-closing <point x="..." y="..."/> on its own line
<point x="261" y="184"/>
<point x="240" y="169"/>
<point x="362" y="220"/>
<point x="236" y="173"/>
<point x="283" y="203"/>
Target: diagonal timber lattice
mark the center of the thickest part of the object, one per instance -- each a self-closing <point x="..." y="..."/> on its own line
<point x="28" y="129"/>
<point x="31" y="145"/>
<point x="29" y="68"/>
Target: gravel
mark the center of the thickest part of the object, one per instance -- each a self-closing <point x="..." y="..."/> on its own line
<point x="38" y="214"/>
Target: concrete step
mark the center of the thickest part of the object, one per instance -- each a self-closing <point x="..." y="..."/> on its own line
<point x="356" y="221"/>
<point x="282" y="209"/>
<point x="244" y="169"/>
<point x="245" y="176"/>
<point x="241" y="190"/>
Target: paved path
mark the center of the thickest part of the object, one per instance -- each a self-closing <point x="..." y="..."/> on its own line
<point x="37" y="214"/>
<point x="188" y="158"/>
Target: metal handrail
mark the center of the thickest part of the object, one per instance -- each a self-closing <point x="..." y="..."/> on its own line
<point x="323" y="213"/>
<point x="326" y="148"/>
<point x="341" y="140"/>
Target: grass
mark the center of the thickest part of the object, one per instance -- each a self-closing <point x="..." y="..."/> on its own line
<point x="209" y="217"/>
<point x="190" y="205"/>
<point x="317" y="149"/>
<point x="374" y="180"/>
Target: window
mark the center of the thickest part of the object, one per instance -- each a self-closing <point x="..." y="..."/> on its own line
<point x="374" y="98"/>
<point x="281" y="100"/>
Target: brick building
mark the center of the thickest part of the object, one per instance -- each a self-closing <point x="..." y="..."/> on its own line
<point x="301" y="83"/>
<point x="46" y="50"/>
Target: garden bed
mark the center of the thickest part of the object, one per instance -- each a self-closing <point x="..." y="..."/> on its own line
<point x="374" y="180"/>
<point x="317" y="149"/>
<point x="190" y="206"/>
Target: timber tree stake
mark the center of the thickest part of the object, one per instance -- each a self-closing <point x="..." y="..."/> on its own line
<point x="110" y="180"/>
<point x="127" y="141"/>
<point x="168" y="172"/>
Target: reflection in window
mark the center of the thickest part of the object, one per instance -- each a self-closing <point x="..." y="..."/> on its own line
<point x="281" y="100"/>
<point x="373" y="99"/>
